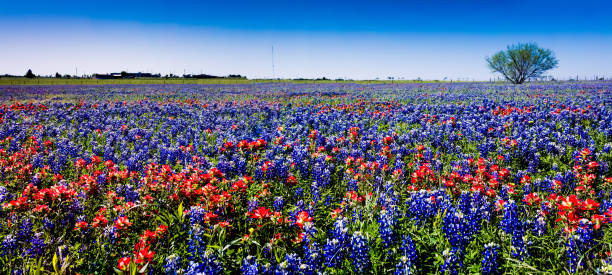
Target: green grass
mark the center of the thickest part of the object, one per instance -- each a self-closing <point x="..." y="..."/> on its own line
<point x="90" y="81"/>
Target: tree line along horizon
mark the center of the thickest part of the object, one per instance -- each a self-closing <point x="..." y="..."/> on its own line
<point x="517" y="64"/>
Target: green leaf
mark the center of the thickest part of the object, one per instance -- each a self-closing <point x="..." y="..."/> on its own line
<point x="144" y="268"/>
<point x="54" y="263"/>
<point x="179" y="212"/>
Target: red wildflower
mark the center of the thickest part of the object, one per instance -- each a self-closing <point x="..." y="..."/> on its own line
<point x="80" y="163"/>
<point x="122" y="223"/>
<point x="335" y="213"/>
<point x="240" y="185"/>
<point x="525" y="179"/>
<point x="260" y="213"/>
<point x="99" y="221"/>
<point x="532" y="198"/>
<point x="144" y="255"/>
<point x="123" y="263"/>
<point x="291" y="180"/>
<point x="313" y="134"/>
<point x="41" y="208"/>
<point x="567" y="203"/>
<point x="590" y="204"/>
<point x="161" y="230"/>
<point x="80" y="225"/>
<point x="499" y="205"/>
<point x="597" y="220"/>
<point x="302" y="217"/>
<point x="585" y="152"/>
<point x="504" y="173"/>
<point x="592" y="165"/>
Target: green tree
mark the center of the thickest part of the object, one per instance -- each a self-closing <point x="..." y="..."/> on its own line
<point x="29" y="74"/>
<point x="521" y="62"/>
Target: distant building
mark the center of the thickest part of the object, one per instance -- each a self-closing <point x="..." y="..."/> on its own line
<point x="125" y="75"/>
<point x="106" y="76"/>
<point x="139" y="74"/>
<point x="207" y="76"/>
<point x="200" y="76"/>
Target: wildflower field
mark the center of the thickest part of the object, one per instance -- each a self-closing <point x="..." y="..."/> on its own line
<point x="306" y="179"/>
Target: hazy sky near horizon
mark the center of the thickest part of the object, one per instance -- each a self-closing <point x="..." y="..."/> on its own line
<point x="346" y="39"/>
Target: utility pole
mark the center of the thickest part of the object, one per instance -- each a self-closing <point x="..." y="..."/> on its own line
<point x="273" y="73"/>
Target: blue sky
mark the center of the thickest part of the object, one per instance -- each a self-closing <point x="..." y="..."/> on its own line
<point x="349" y="39"/>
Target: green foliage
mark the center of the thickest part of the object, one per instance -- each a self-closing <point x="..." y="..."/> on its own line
<point x="522" y="61"/>
<point x="29" y="74"/>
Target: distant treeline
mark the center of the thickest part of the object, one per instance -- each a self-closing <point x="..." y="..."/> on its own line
<point x="126" y="75"/>
<point x="207" y="76"/>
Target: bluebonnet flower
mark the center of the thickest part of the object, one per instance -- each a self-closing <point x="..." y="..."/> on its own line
<point x="278" y="204"/>
<point x="268" y="269"/>
<point x="196" y="215"/>
<point x="196" y="245"/>
<point x="360" y="252"/>
<point x="9" y="245"/>
<point x="282" y="269"/>
<point x="293" y="263"/>
<point x="403" y="267"/>
<point x="573" y="255"/>
<point x="110" y="232"/>
<point x="510" y="218"/>
<point x="201" y="260"/>
<point x="334" y="249"/>
<point x="460" y="228"/>
<point x="490" y="264"/>
<point x="423" y="205"/>
<point x="408" y="258"/>
<point x="340" y="229"/>
<point x="309" y="231"/>
<point x="579" y="243"/>
<point x="38" y="246"/>
<point x="128" y="192"/>
<point x="352" y="185"/>
<point x="208" y="265"/>
<point x="299" y="192"/>
<point x="173" y="264"/>
<point x="328" y="200"/>
<point x="315" y="191"/>
<point x="519" y="246"/>
<point x="249" y="266"/>
<point x="312" y="258"/>
<point x="4" y="194"/>
<point x="386" y="227"/>
<point x="607" y="148"/>
<point x="452" y="261"/>
<point x="253" y="204"/>
<point x="48" y="225"/>
<point x="539" y="224"/>
<point x="25" y="231"/>
<point x="586" y="238"/>
<point x="267" y="252"/>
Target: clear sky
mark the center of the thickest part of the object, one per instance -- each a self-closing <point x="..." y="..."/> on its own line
<point x="348" y="39"/>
